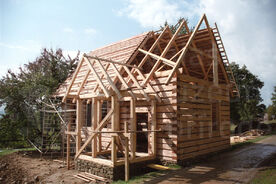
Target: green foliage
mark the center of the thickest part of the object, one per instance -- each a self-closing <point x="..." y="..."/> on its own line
<point x="173" y="28"/>
<point x="21" y="93"/>
<point x="271" y="110"/>
<point x="248" y="107"/>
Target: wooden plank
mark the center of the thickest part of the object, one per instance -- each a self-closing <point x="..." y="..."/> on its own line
<point x="72" y="80"/>
<point x="109" y="79"/>
<point x="115" y="126"/>
<point x="184" y="50"/>
<point x="97" y="78"/>
<point x="99" y="119"/>
<point x="126" y="159"/>
<point x="168" y="46"/>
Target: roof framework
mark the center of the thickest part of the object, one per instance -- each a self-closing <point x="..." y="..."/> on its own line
<point x="109" y="72"/>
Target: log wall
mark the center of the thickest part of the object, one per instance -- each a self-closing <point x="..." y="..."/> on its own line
<point x="196" y="134"/>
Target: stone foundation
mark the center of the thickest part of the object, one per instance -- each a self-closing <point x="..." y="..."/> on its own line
<point x="112" y="173"/>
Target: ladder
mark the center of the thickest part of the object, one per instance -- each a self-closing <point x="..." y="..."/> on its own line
<point x="235" y="91"/>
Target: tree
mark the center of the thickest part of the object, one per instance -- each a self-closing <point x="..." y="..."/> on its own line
<point x="173" y="28"/>
<point x="248" y="107"/>
<point x="271" y="110"/>
<point x="22" y="93"/>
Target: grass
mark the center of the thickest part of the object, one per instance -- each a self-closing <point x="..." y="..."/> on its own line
<point x="10" y="151"/>
<point x="266" y="176"/>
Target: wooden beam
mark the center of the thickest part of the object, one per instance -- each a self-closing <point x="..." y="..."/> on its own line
<point x="93" y="135"/>
<point x="213" y="40"/>
<point x="115" y="126"/>
<point x="150" y="87"/>
<point x="133" y="125"/>
<point x="153" y="128"/>
<point x="68" y="145"/>
<point x="97" y="85"/>
<point x="126" y="159"/>
<point x="153" y="46"/>
<point x="83" y="82"/>
<point x="97" y="78"/>
<point x="215" y="64"/>
<point x="72" y="80"/>
<point x="78" y="124"/>
<point x="111" y="61"/>
<point x="184" y="50"/>
<point x="109" y="79"/>
<point x="194" y="49"/>
<point x="122" y="79"/>
<point x="165" y="61"/>
<point x="95" y="121"/>
<point x="99" y="119"/>
<point x="155" y="67"/>
<point x="136" y="83"/>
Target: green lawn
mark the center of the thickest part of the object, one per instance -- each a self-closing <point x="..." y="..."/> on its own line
<point x="266" y="176"/>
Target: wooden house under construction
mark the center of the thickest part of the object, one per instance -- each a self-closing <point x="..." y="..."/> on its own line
<point x="159" y="95"/>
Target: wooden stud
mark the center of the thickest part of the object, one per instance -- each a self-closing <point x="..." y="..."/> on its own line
<point x="94" y="125"/>
<point x="133" y="125"/>
<point x="97" y="85"/>
<point x="153" y="128"/>
<point x="99" y="118"/>
<point x="68" y="145"/>
<point x="114" y="126"/>
<point x="78" y="124"/>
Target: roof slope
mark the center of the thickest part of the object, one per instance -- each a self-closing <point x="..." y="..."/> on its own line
<point x="119" y="51"/>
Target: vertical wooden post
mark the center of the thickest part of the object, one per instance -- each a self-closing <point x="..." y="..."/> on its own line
<point x="68" y="145"/>
<point x="133" y="127"/>
<point x="99" y="118"/>
<point x="153" y="127"/>
<point x="94" y="125"/>
<point x="78" y="125"/>
<point x="115" y="126"/>
<point x="126" y="154"/>
<point x="215" y="64"/>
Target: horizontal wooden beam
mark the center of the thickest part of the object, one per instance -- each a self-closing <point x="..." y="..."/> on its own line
<point x="111" y="61"/>
<point x="165" y="61"/>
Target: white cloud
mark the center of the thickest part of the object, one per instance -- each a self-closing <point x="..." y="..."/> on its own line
<point x="90" y="31"/>
<point x="152" y="13"/>
<point x="248" y="32"/>
<point x="68" y="30"/>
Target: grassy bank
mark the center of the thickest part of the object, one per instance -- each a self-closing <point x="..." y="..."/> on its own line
<point x="9" y="151"/>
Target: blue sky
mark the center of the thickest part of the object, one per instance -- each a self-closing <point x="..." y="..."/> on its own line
<point x="26" y="26"/>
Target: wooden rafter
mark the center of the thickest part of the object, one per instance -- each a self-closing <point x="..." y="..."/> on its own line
<point x="97" y="77"/>
<point x="73" y="80"/>
<point x="136" y="83"/>
<point x="109" y="79"/>
<point x="184" y="50"/>
<point x="155" y="67"/>
<point x="97" y="85"/>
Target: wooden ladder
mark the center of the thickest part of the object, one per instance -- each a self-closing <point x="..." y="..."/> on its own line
<point x="235" y="91"/>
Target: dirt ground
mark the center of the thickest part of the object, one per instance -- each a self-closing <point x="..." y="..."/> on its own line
<point x="237" y="166"/>
<point x="19" y="168"/>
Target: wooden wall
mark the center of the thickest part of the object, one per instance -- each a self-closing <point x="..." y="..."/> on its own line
<point x="194" y="115"/>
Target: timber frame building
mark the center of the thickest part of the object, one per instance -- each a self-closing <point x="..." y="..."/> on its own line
<point x="158" y="95"/>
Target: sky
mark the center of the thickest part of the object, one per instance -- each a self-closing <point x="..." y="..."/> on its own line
<point x="247" y="28"/>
